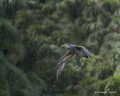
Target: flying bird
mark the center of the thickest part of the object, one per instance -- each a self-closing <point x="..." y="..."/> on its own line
<point x="72" y="50"/>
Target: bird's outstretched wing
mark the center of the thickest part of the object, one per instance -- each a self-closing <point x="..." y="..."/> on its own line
<point x="84" y="49"/>
<point x="63" y="61"/>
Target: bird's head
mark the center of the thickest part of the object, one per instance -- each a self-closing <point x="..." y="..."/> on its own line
<point x="66" y="46"/>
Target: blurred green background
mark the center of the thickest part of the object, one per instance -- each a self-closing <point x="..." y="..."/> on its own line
<point x="31" y="33"/>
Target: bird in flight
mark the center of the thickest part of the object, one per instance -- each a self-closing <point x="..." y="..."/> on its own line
<point x="72" y="50"/>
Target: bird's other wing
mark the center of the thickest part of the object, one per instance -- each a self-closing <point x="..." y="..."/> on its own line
<point x="84" y="49"/>
<point x="63" y="61"/>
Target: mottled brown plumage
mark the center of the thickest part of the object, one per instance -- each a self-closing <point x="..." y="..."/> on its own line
<point x="72" y="50"/>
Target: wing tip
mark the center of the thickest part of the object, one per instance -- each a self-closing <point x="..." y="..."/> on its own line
<point x="58" y="73"/>
<point x="91" y="57"/>
<point x="87" y="52"/>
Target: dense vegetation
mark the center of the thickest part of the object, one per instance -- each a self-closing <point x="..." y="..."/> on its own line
<point x="31" y="32"/>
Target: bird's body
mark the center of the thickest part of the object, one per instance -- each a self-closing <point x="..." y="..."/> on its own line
<point x="72" y="50"/>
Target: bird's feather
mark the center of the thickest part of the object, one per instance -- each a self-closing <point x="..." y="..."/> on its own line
<point x="85" y="50"/>
<point x="63" y="61"/>
<point x="88" y="53"/>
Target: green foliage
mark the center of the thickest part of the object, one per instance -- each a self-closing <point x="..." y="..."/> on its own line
<point x="38" y="84"/>
<point x="8" y="34"/>
<point x="16" y="83"/>
<point x="11" y="6"/>
<point x="31" y="32"/>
